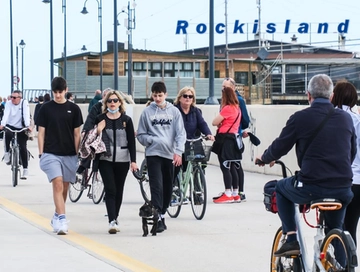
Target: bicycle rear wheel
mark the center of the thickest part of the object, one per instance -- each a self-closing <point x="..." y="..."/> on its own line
<point x="97" y="188"/>
<point x="176" y="198"/>
<point x="282" y="264"/>
<point x="198" y="193"/>
<point x="338" y="252"/>
<point x="144" y="182"/>
<point x="15" y="168"/>
<point x="76" y="189"/>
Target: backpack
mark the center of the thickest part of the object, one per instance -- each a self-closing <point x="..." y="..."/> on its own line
<point x="270" y="196"/>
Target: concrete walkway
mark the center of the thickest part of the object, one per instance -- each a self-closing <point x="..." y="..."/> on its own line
<point x="231" y="237"/>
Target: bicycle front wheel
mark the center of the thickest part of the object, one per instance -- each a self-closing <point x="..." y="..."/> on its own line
<point x="97" y="188"/>
<point x="15" y="166"/>
<point x="338" y="252"/>
<point x="176" y="198"/>
<point x="144" y="182"/>
<point x="281" y="264"/>
<point x="76" y="189"/>
<point x="198" y="193"/>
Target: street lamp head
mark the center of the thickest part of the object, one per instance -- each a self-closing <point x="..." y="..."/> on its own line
<point x="84" y="48"/>
<point x="46" y="1"/>
<point x="84" y="11"/>
<point x="22" y="44"/>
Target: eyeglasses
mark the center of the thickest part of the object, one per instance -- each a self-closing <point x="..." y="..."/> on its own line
<point x="188" y="96"/>
<point x="115" y="100"/>
<point x="14" y="97"/>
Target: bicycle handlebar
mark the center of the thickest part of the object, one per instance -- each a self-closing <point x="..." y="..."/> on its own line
<point x="197" y="139"/>
<point x="281" y="163"/>
<point x="16" y="131"/>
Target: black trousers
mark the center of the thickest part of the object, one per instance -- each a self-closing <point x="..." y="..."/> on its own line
<point x="22" y="141"/>
<point x="353" y="212"/>
<point x="161" y="176"/>
<point x="113" y="175"/>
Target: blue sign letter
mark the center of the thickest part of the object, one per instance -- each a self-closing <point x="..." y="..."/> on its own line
<point x="201" y="28"/>
<point x="323" y="26"/>
<point x="343" y="27"/>
<point x="181" y="26"/>
<point x="238" y="27"/>
<point x="217" y="28"/>
<point x="271" y="28"/>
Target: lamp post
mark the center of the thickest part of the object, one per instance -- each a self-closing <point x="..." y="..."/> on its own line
<point x="51" y="40"/>
<point x="131" y="24"/>
<point x="11" y="51"/>
<point x="22" y="45"/>
<point x="84" y="11"/>
<point x="116" y="56"/>
<point x="83" y="48"/>
<point x="64" y="12"/>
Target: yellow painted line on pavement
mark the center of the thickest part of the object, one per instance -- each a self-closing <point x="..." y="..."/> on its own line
<point x="88" y="244"/>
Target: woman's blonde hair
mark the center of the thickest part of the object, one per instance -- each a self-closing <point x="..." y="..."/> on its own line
<point x="122" y="101"/>
<point x="184" y="90"/>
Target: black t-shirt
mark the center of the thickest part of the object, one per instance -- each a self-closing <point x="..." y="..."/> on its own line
<point x="59" y="121"/>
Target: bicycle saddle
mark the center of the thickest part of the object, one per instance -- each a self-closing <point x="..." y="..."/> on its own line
<point x="327" y="204"/>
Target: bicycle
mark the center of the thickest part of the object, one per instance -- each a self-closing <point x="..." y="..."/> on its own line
<point x="95" y="189"/>
<point x="194" y="180"/>
<point x="14" y="152"/>
<point x="327" y="248"/>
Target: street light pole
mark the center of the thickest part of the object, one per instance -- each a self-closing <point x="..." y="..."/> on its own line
<point x="84" y="11"/>
<point x="22" y="45"/>
<point x="64" y="12"/>
<point x="11" y="51"/>
<point x="51" y="40"/>
<point x="116" y="57"/>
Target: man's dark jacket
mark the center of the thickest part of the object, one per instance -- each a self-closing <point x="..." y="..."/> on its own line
<point x="327" y="161"/>
<point x="90" y="119"/>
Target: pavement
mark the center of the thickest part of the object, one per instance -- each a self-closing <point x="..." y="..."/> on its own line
<point x="230" y="237"/>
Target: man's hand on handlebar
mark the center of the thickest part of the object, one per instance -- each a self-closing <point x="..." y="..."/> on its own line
<point x="259" y="162"/>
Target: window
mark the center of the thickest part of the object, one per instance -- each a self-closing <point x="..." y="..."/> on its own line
<point x="242" y="78"/>
<point x="295" y="79"/>
<point x="156" y="66"/>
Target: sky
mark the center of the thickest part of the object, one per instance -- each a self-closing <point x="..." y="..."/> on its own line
<point x="156" y="24"/>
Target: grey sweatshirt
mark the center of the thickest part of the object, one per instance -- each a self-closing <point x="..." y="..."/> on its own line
<point x="161" y="131"/>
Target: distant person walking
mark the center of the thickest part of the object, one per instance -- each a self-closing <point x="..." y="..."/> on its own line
<point x="95" y="100"/>
<point x="59" y="124"/>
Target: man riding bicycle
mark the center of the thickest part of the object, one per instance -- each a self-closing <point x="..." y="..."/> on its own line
<point x="17" y="116"/>
<point x="325" y="166"/>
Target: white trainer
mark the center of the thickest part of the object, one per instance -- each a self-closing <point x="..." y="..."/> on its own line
<point x="25" y="174"/>
<point x="7" y="157"/>
<point x="55" y="224"/>
<point x="63" y="227"/>
<point x="113" y="227"/>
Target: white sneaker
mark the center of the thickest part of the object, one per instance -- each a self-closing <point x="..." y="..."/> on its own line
<point x="55" y="224"/>
<point x="7" y="157"/>
<point x="63" y="227"/>
<point x="113" y="227"/>
<point x="25" y="174"/>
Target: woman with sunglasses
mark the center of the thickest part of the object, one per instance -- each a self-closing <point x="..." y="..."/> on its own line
<point x="118" y="134"/>
<point x="194" y="122"/>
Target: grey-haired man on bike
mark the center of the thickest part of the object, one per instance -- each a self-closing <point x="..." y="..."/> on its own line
<point x="17" y="116"/>
<point x="325" y="167"/>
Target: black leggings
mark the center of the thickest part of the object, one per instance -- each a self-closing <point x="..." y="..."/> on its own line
<point x="232" y="174"/>
<point x="22" y="141"/>
<point x="113" y="175"/>
<point x="353" y="212"/>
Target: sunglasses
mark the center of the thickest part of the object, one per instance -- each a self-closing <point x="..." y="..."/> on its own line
<point x="188" y="96"/>
<point x="14" y="97"/>
<point x="115" y="100"/>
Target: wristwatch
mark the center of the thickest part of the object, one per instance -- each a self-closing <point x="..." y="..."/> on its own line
<point x="40" y="156"/>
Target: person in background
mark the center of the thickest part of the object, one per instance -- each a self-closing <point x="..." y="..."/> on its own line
<point x="59" y="124"/>
<point x="36" y="100"/>
<point x="4" y="101"/>
<point x="70" y="97"/>
<point x="17" y="116"/>
<point x="161" y="130"/>
<point x="194" y="122"/>
<point x="325" y="166"/>
<point x="228" y="121"/>
<point x="96" y="99"/>
<point x="244" y="123"/>
<point x="120" y="133"/>
<point x="47" y="97"/>
<point x="2" y="108"/>
<point x="345" y="98"/>
<point x="37" y="109"/>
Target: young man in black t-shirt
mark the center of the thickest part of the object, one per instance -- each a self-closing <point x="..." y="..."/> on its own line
<point x="59" y="124"/>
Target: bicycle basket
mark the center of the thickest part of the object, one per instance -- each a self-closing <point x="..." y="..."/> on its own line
<point x="201" y="153"/>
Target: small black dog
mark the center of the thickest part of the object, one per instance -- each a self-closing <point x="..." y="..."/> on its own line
<point x="149" y="216"/>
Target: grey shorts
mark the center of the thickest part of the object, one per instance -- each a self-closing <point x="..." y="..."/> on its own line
<point x="59" y="166"/>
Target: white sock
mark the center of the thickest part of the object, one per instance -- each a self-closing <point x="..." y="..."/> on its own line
<point x="235" y="192"/>
<point x="228" y="192"/>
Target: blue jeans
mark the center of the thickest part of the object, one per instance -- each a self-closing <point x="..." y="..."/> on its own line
<point x="287" y="195"/>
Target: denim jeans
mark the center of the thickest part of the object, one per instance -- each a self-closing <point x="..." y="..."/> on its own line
<point x="287" y="195"/>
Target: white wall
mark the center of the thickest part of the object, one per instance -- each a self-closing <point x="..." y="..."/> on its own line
<point x="267" y="122"/>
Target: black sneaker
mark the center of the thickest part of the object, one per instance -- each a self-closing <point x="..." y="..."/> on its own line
<point x="287" y="249"/>
<point x="163" y="220"/>
<point x="160" y="226"/>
